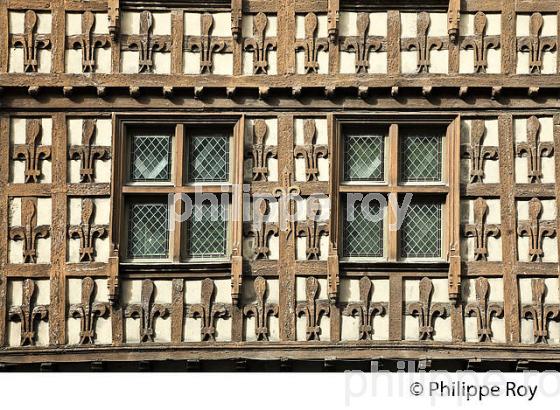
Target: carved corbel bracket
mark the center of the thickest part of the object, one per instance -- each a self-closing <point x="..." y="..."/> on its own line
<point x="453" y="20"/>
<point x="236" y="19"/>
<point x="236" y="273"/>
<point x="113" y="280"/>
<point x="333" y="18"/>
<point x="114" y="19"/>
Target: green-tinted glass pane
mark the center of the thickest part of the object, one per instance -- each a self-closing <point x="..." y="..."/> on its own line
<point x="207" y="231"/>
<point x="421" y="231"/>
<point x="421" y="157"/>
<point x="148" y="234"/>
<point x="209" y="158"/>
<point x="363" y="157"/>
<point x="150" y="158"/>
<point x="363" y="229"/>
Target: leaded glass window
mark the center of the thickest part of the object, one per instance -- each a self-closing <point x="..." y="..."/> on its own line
<point x="150" y="159"/>
<point x="207" y="231"/>
<point x="363" y="229"/>
<point x="364" y="156"/>
<point x="421" y="156"/>
<point x="421" y="231"/>
<point x="148" y="230"/>
<point x="208" y="159"/>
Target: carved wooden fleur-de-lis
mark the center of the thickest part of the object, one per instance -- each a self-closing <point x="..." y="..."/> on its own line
<point x="534" y="150"/>
<point x="480" y="230"/>
<point x="536" y="230"/>
<point x="365" y="310"/>
<point x="208" y="311"/>
<point x="28" y="232"/>
<point x="259" y="44"/>
<point x="311" y="45"/>
<point x="313" y="309"/>
<point x="261" y="152"/>
<point x="477" y="152"/>
<point x="311" y="152"/>
<point x="483" y="310"/>
<point x="31" y="42"/>
<point x="539" y="312"/>
<point x="260" y="310"/>
<point x="260" y="229"/>
<point x="88" y="311"/>
<point x="312" y="230"/>
<point x="426" y="311"/>
<point x="480" y="43"/>
<point x="147" y="311"/>
<point x="207" y="44"/>
<point x="362" y="44"/>
<point x="32" y="152"/>
<point x="88" y="153"/>
<point x="286" y="201"/>
<point x="28" y="313"/>
<point x="146" y="43"/>
<point x="88" y="42"/>
<point x="423" y="44"/>
<point x="87" y="232"/>
<point x="535" y="44"/>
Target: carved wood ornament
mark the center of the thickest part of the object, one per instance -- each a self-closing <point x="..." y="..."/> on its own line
<point x="88" y="311"/>
<point x="208" y="311"/>
<point x="236" y="19"/>
<point x="311" y="45"/>
<point x="28" y="313"/>
<point x="28" y="232"/>
<point x="88" y="153"/>
<point x="260" y="229"/>
<point x="536" y="230"/>
<point x="260" y="153"/>
<point x="480" y="43"/>
<point x="480" y="230"/>
<point x="87" y="232"/>
<point x="310" y="151"/>
<point x="260" y="310"/>
<point x="32" y="152"/>
<point x="365" y="310"/>
<point x="534" y="150"/>
<point x="286" y="202"/>
<point x="312" y="229"/>
<point x="313" y="309"/>
<point x="484" y="311"/>
<point x="259" y="44"/>
<point x="536" y="45"/>
<point x="478" y="153"/>
<point x="147" y="311"/>
<point x="423" y="44"/>
<point x="88" y="42"/>
<point x="539" y="312"/>
<point x="426" y="311"/>
<point x="31" y="42"/>
<point x="362" y="44"/>
<point x="333" y="18"/>
<point x="113" y="15"/>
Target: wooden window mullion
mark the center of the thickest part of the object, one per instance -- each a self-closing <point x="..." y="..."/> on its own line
<point x="393" y="180"/>
<point x="178" y="203"/>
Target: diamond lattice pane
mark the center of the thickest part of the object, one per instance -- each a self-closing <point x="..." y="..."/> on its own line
<point x="421" y="157"/>
<point x="148" y="233"/>
<point x="207" y="231"/>
<point x="363" y="229"/>
<point x="209" y="158"/>
<point x="364" y="157"/>
<point x="421" y="231"/>
<point x="151" y="158"/>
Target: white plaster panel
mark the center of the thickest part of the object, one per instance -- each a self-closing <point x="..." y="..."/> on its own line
<point x="129" y="62"/>
<point x="493" y="25"/>
<point x="248" y="63"/>
<point x="300" y="289"/>
<point x="73" y="24"/>
<point x="546" y="134"/>
<point x="223" y="64"/>
<point x="16" y="21"/>
<point x="322" y="60"/>
<point x="549" y="245"/>
<point x="162" y="63"/>
<point x="466" y="61"/>
<point x="350" y="327"/>
<point x="492" y="217"/>
<point x="101" y="25"/>
<point x="41" y="297"/>
<point x="222" y="291"/>
<point x="322" y="28"/>
<point x="247" y="26"/>
<point x="270" y="139"/>
<point x="409" y="62"/>
<point x="496" y="295"/>
<point x="221" y="27"/>
<point x="551" y="297"/>
<point x="439" y="60"/>
<point x="191" y="63"/>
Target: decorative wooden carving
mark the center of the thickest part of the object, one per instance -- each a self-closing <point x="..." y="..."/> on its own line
<point x="206" y="44"/>
<point x="539" y="312"/>
<point x="88" y="311"/>
<point x="28" y="232"/>
<point x="313" y="309"/>
<point x="534" y="150"/>
<point x="286" y="203"/>
<point x="312" y="230"/>
<point x="208" y="311"/>
<point x="31" y="42"/>
<point x="311" y="45"/>
<point x="478" y="153"/>
<point x="146" y="43"/>
<point x="32" y="152"/>
<point x="333" y="17"/>
<point x="259" y="44"/>
<point x="87" y="232"/>
<point x="484" y="310"/>
<point x="260" y="229"/>
<point x="88" y="42"/>
<point x="147" y="311"/>
<point x="453" y="19"/>
<point x="365" y="310"/>
<point x="28" y="313"/>
<point x="481" y="230"/>
<point x="236" y="19"/>
<point x="361" y="44"/>
<point x="480" y="43"/>
<point x="536" y="230"/>
<point x="535" y="44"/>
<point x="311" y="152"/>
<point x="88" y="153"/>
<point x="261" y="152"/>
<point x="422" y="43"/>
<point x="426" y="311"/>
<point x="260" y="310"/>
<point x="114" y="18"/>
